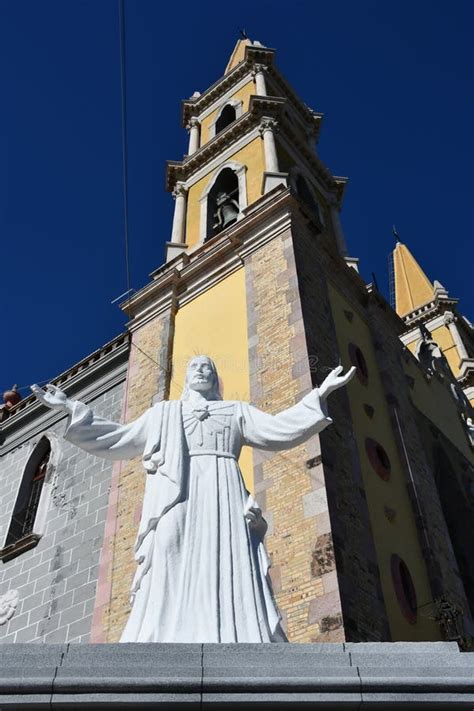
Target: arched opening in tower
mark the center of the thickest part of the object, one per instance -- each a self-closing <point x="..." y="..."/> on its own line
<point x="228" y="116"/>
<point x="222" y="203"/>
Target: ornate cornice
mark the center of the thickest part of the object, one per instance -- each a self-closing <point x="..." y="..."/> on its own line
<point x="313" y="118"/>
<point x="270" y="107"/>
<point x="253" y="55"/>
<point x="259" y="105"/>
<point x="94" y="374"/>
<point x="428" y="311"/>
<point x="189" y="274"/>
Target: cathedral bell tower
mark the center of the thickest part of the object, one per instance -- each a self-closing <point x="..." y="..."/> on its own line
<point x="430" y="313"/>
<point x="257" y="277"/>
<point x="248" y="134"/>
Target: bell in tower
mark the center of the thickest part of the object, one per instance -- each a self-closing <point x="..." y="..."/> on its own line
<point x="227" y="211"/>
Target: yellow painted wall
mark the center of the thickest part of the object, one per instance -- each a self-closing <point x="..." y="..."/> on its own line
<point x="251" y="156"/>
<point x="238" y="54"/>
<point x="243" y="94"/>
<point x="215" y="324"/>
<point x="445" y="341"/>
<point x="401" y="535"/>
<point x="434" y="400"/>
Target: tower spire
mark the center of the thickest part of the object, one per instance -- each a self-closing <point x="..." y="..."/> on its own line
<point x="412" y="286"/>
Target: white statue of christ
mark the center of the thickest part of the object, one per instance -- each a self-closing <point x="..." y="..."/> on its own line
<point x="202" y="569"/>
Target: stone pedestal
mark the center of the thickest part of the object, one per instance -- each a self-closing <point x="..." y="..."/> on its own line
<point x="271" y="180"/>
<point x="174" y="249"/>
<point x="399" y="675"/>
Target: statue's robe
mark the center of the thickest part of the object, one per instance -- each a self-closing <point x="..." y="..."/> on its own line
<point x="202" y="570"/>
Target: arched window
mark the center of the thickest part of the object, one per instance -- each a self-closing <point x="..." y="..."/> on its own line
<point x="223" y="200"/>
<point x="404" y="588"/>
<point x="229" y="112"/>
<point x="29" y="513"/>
<point x="222" y="203"/>
<point x="227" y="116"/>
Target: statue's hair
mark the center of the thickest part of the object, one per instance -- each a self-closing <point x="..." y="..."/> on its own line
<point x="215" y="393"/>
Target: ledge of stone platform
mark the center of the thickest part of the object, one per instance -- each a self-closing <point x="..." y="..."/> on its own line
<point x="400" y="675"/>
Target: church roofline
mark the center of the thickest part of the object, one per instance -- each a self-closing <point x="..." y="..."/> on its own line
<point x="88" y="372"/>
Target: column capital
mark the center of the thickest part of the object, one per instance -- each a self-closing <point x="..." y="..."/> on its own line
<point x="179" y="190"/>
<point x="259" y="69"/>
<point x="448" y="318"/>
<point x="193" y="123"/>
<point x="268" y="124"/>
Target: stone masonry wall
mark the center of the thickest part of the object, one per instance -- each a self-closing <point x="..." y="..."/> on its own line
<point x="433" y="531"/>
<point x="349" y="544"/>
<point x="57" y="579"/>
<point x="292" y="496"/>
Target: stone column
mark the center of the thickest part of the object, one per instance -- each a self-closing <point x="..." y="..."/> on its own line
<point x="259" y="78"/>
<point x="177" y="245"/>
<point x="450" y="322"/>
<point x="272" y="176"/>
<point x="267" y="130"/>
<point x="194" y="135"/>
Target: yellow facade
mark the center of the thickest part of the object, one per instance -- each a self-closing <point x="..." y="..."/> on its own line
<point x="434" y="400"/>
<point x="243" y="95"/>
<point x="442" y="336"/>
<point x="215" y="324"/>
<point x="399" y="536"/>
<point x="253" y="158"/>
<point x="238" y="55"/>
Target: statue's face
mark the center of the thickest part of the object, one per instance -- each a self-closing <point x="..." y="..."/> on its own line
<point x="200" y="375"/>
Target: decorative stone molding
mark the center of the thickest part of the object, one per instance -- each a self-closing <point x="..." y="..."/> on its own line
<point x="179" y="190"/>
<point x="8" y="605"/>
<point x="268" y="124"/>
<point x="254" y="54"/>
<point x="260" y="106"/>
<point x="192" y="123"/>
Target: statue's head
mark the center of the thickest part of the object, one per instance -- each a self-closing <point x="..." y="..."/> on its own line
<point x="201" y="375"/>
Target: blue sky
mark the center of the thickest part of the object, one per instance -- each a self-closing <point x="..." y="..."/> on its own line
<point x="394" y="81"/>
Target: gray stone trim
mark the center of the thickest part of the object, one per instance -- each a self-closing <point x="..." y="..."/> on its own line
<point x="353" y="676"/>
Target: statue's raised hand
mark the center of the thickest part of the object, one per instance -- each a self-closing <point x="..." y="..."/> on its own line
<point x="52" y="397"/>
<point x="335" y="380"/>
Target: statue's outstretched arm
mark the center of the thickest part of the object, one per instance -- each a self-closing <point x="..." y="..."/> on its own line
<point x="293" y="426"/>
<point x="95" y="434"/>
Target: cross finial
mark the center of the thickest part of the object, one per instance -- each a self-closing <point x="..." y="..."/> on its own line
<point x="395" y="233"/>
